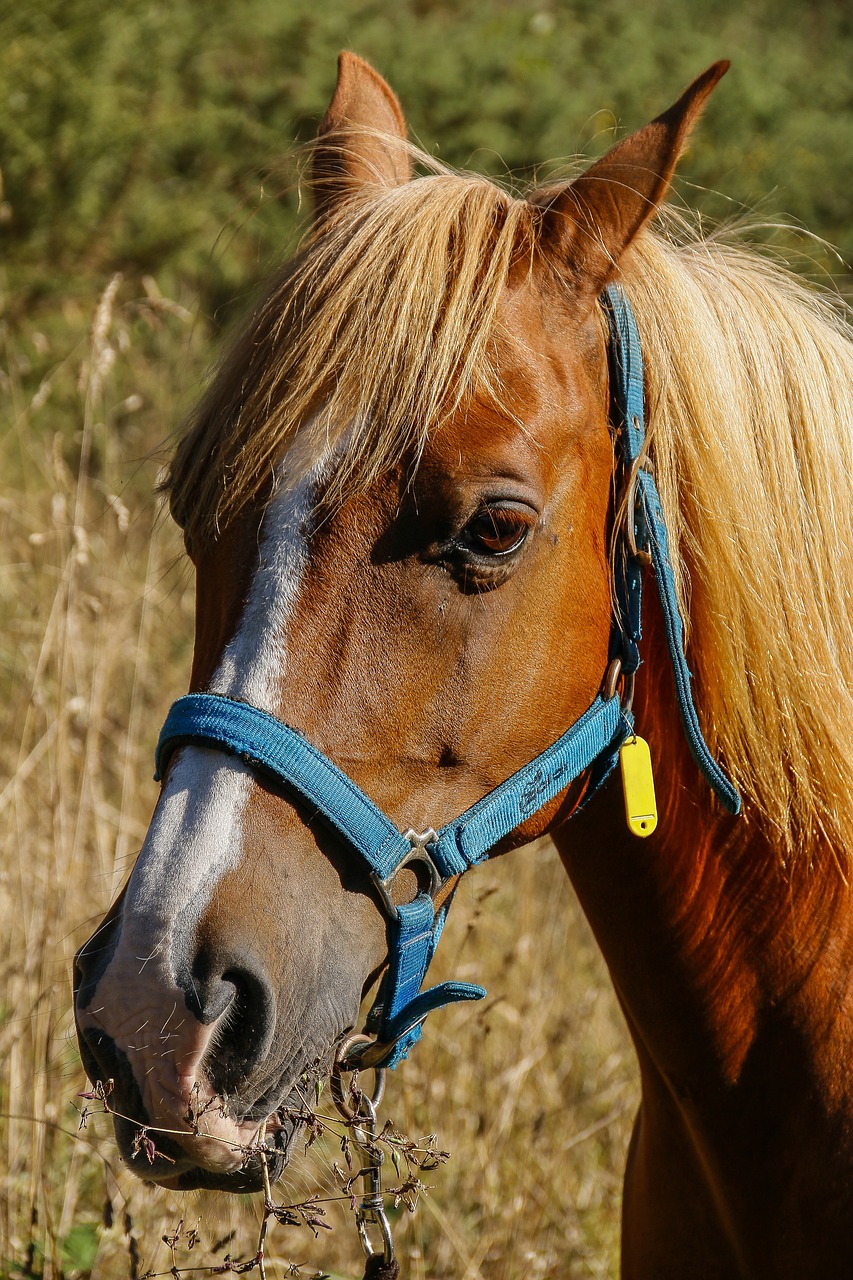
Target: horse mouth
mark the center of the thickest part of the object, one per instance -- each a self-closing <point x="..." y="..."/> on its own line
<point x="193" y="1162"/>
<point x="205" y="1140"/>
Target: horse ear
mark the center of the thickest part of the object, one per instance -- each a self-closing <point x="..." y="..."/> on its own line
<point x="591" y="222"/>
<point x="362" y="137"/>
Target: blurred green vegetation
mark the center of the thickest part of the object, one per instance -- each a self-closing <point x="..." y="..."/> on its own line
<point x="155" y="138"/>
<point x="151" y="137"/>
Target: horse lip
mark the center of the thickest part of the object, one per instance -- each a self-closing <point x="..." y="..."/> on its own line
<point x="184" y="1175"/>
<point x="189" y="1160"/>
<point x="169" y="1165"/>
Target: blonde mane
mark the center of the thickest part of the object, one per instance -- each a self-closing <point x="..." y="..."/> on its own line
<point x="385" y="322"/>
<point x="749" y="381"/>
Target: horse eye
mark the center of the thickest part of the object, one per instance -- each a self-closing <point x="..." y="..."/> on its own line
<point x="495" y="531"/>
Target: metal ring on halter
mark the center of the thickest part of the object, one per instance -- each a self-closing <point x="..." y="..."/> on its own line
<point x="419" y="856"/>
<point x="627" y="694"/>
<point x="611" y="679"/>
<point x="610" y="687"/>
<point x="387" y="1250"/>
<point x="344" y="1064"/>
<point x="376" y="1050"/>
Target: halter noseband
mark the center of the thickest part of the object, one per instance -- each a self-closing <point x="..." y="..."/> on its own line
<point x="592" y="743"/>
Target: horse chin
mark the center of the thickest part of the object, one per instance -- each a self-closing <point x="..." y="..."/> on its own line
<point x="248" y="1178"/>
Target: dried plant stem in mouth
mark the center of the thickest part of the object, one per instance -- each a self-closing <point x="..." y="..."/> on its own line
<point x="409" y="1158"/>
<point x="268" y="1204"/>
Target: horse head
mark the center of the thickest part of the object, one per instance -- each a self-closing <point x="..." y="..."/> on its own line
<point x="398" y="496"/>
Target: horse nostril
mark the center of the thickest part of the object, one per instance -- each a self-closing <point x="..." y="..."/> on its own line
<point x="233" y="994"/>
<point x="208" y="998"/>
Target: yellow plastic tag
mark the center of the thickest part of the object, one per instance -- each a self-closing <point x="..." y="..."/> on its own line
<point x="638" y="786"/>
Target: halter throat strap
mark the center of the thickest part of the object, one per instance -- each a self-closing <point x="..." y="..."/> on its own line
<point x="278" y="752"/>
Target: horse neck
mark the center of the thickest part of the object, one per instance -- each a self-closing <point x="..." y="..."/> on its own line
<point x="705" y="931"/>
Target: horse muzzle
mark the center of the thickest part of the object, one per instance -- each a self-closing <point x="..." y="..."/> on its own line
<point x="182" y="1061"/>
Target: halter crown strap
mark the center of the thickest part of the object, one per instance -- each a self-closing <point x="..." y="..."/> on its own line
<point x="650" y="535"/>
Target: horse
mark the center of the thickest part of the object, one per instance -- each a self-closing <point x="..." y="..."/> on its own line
<point x="423" y="494"/>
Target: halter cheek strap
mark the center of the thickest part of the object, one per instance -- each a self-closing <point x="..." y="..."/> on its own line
<point x="277" y="751"/>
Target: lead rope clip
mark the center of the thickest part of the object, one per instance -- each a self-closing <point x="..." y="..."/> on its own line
<point x="359" y="1111"/>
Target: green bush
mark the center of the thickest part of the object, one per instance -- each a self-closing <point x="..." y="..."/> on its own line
<point x="149" y="137"/>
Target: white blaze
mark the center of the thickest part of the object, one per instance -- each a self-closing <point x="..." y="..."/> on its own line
<point x="196" y="833"/>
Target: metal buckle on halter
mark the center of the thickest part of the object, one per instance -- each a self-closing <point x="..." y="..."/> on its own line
<point x="372" y="1051"/>
<point x="642" y="554"/>
<point x="418" y="853"/>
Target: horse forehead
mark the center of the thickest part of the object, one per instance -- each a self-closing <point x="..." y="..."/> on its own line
<point x="550" y="388"/>
<point x="550" y="368"/>
<point x="543" y="325"/>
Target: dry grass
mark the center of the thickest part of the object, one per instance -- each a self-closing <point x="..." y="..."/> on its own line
<point x="532" y="1094"/>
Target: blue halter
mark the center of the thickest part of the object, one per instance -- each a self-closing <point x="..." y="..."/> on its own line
<point x="592" y="743"/>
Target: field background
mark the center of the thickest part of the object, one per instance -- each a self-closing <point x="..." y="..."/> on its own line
<point x="147" y="183"/>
